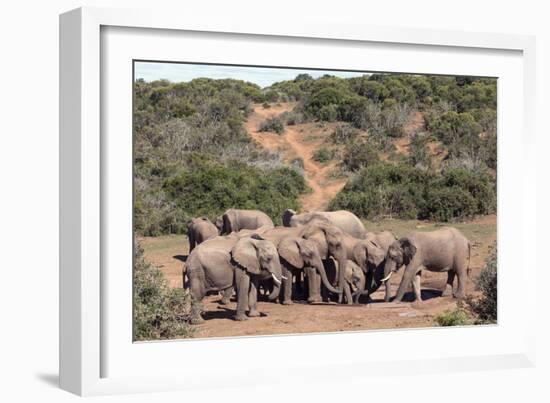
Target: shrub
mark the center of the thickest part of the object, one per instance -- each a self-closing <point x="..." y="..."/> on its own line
<point x="446" y="203"/>
<point x="274" y="124"/>
<point x="419" y="155"/>
<point x="358" y="155"/>
<point x="455" y="317"/>
<point x="385" y="189"/>
<point x="486" y="306"/>
<point x="159" y="311"/>
<point x="292" y="118"/>
<point x="208" y="188"/>
<point x="343" y="133"/>
<point x="265" y="105"/>
<point x="328" y="113"/>
<point x="323" y="154"/>
<point x="297" y="162"/>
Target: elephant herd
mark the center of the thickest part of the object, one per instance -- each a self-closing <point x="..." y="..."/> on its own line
<point x="317" y="255"/>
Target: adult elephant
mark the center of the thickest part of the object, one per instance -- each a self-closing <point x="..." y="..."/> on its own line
<point x="442" y="250"/>
<point x="346" y="221"/>
<point x="296" y="255"/>
<point x="224" y="262"/>
<point x="329" y="241"/>
<point x="234" y="220"/>
<point x="199" y="230"/>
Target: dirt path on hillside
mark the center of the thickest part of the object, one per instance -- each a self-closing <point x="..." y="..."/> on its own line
<point x="416" y="123"/>
<point x="292" y="143"/>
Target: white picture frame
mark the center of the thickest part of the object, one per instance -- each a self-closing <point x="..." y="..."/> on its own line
<point x="89" y="346"/>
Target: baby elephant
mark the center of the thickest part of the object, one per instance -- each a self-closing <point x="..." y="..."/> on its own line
<point x="443" y="250"/>
<point x="199" y="230"/>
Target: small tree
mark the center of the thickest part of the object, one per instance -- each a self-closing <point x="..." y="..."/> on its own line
<point x="159" y="311"/>
<point x="274" y="124"/>
<point x="486" y="306"/>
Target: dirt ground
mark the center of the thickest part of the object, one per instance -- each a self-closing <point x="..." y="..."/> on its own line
<point x="168" y="253"/>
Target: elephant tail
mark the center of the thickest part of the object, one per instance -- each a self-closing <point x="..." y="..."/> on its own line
<point x="469" y="269"/>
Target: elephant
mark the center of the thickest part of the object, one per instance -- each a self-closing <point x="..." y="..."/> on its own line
<point x="371" y="260"/>
<point x="329" y="241"/>
<point x="296" y="254"/>
<point x="365" y="253"/>
<point x="199" y="230"/>
<point x="224" y="262"/>
<point x="236" y="220"/>
<point x="442" y="250"/>
<point x="354" y="277"/>
<point x="346" y="221"/>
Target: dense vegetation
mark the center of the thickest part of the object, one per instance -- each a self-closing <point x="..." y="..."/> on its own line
<point x="160" y="312"/>
<point x="459" y="116"/>
<point x="400" y="190"/>
<point x="460" y="112"/>
<point x="193" y="157"/>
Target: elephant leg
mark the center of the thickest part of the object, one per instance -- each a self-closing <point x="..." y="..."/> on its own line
<point x="287" y="287"/>
<point x="408" y="276"/>
<point x="416" y="286"/>
<point x="299" y="284"/>
<point x="314" y="283"/>
<point x="347" y="291"/>
<point x="461" y="277"/>
<point x="387" y="295"/>
<point x="448" y="291"/>
<point x="226" y="296"/>
<point x="197" y="294"/>
<point x="461" y="269"/>
<point x="242" y="282"/>
<point x="253" y="299"/>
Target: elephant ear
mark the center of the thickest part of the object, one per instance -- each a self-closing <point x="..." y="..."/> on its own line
<point x="245" y="254"/>
<point x="408" y="248"/>
<point x="229" y="222"/>
<point x="376" y="254"/>
<point x="287" y="215"/>
<point x="289" y="250"/>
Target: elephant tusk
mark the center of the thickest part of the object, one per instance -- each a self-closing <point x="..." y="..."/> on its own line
<point x="275" y="279"/>
<point x="387" y="277"/>
<point x="284" y="278"/>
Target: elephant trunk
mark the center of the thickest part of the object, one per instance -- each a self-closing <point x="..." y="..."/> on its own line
<point x="342" y="262"/>
<point x="321" y="269"/>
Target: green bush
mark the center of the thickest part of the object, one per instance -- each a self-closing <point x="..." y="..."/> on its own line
<point x="274" y="124"/>
<point x="160" y="312"/>
<point x="343" y="133"/>
<point x="357" y="155"/>
<point x="455" y="317"/>
<point x="323" y="155"/>
<point x="486" y="306"/>
<point x="400" y="190"/>
<point x="207" y="188"/>
<point x="446" y="203"/>
<point x="292" y="118"/>
<point x="328" y="113"/>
